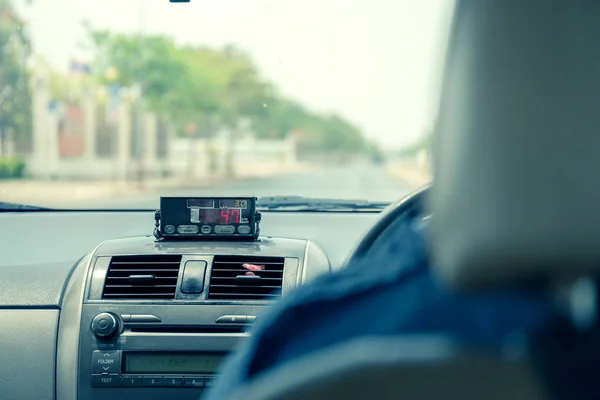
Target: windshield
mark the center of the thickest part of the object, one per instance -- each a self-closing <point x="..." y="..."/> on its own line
<point x="113" y="103"/>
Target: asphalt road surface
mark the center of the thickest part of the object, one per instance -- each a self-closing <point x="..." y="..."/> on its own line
<point x="366" y="181"/>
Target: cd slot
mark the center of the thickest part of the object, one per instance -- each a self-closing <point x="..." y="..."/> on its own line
<point x="189" y="329"/>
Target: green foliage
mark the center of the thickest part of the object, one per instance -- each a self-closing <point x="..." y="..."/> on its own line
<point x="336" y="133"/>
<point x="213" y="87"/>
<point x="11" y="168"/>
<point x="15" y="96"/>
<point x="280" y="117"/>
<point x="318" y="133"/>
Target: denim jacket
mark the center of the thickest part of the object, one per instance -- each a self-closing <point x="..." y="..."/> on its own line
<point x="392" y="292"/>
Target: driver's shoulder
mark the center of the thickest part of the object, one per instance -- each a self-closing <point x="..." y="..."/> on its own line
<point x="399" y="265"/>
<point x="326" y="310"/>
<point x="398" y="257"/>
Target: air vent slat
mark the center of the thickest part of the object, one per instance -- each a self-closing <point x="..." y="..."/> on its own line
<point x="127" y="277"/>
<point x="226" y="263"/>
<point x="237" y="270"/>
<point x="162" y="272"/>
<point x="225" y="286"/>
<point x="253" y="287"/>
<point x="145" y="263"/>
<point x="228" y="279"/>
<point x="238" y="296"/>
<point x="130" y="296"/>
<point x="140" y="286"/>
<point x="137" y="270"/>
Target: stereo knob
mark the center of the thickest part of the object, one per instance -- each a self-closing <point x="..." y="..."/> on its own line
<point x="105" y="325"/>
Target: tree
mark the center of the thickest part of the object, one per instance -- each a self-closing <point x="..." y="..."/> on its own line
<point x="242" y="94"/>
<point x="199" y="85"/>
<point x="279" y="118"/>
<point x="152" y="63"/>
<point x="213" y="88"/>
<point x="329" y="133"/>
<point x="15" y="96"/>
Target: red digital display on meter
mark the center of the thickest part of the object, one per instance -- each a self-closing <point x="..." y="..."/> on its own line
<point x="223" y="216"/>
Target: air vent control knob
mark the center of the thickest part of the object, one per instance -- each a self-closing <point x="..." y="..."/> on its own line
<point x="105" y="325"/>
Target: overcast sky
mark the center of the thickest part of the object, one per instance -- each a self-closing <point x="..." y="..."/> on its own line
<point x="376" y="62"/>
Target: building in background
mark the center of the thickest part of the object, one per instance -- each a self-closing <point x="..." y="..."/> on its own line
<point x="89" y="134"/>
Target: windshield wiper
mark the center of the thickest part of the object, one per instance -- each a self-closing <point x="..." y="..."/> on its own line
<point x="5" y="206"/>
<point x="312" y="204"/>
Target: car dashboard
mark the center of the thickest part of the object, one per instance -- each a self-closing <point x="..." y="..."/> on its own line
<point x="94" y="307"/>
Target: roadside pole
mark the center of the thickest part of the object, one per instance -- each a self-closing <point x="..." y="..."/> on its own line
<point x="139" y="104"/>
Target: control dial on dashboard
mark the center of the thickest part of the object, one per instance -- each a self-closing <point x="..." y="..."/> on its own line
<point x="105" y="325"/>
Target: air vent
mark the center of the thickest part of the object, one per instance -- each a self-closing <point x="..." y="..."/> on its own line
<point x="142" y="277"/>
<point x="246" y="278"/>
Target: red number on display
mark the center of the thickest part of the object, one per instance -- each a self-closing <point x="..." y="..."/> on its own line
<point x="236" y="215"/>
<point x="225" y="214"/>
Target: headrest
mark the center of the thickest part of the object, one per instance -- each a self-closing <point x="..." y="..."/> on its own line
<point x="398" y="368"/>
<point x="516" y="192"/>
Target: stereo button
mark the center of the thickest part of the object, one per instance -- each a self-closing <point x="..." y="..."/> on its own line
<point x="209" y="381"/>
<point x="153" y="381"/>
<point x="105" y="362"/>
<point x="232" y="319"/>
<point x="132" y="381"/>
<point x="197" y="381"/>
<point x="135" y="318"/>
<point x="172" y="381"/>
<point x="236" y="319"/>
<point x="106" y="380"/>
<point x="105" y="325"/>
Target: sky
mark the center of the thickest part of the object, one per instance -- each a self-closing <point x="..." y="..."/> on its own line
<point x="375" y="62"/>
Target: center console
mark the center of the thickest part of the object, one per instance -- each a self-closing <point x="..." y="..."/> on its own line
<point x="153" y="320"/>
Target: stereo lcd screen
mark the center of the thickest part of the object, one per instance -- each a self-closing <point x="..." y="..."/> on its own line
<point x="172" y="363"/>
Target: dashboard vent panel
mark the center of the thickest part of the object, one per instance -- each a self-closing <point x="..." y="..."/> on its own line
<point x="142" y="277"/>
<point x="246" y="278"/>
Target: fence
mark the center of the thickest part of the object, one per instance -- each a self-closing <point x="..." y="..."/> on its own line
<point x="107" y="139"/>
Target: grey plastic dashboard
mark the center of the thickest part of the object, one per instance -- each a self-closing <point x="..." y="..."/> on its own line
<point x="39" y="250"/>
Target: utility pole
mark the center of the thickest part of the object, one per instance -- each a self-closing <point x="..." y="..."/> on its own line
<point x="139" y="104"/>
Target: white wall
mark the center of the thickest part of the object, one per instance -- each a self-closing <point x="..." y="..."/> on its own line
<point x="251" y="157"/>
<point x="186" y="157"/>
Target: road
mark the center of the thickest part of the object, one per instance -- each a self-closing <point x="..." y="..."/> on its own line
<point x="364" y="181"/>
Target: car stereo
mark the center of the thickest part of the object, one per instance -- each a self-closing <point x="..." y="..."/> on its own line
<point x="172" y="369"/>
<point x="201" y="218"/>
